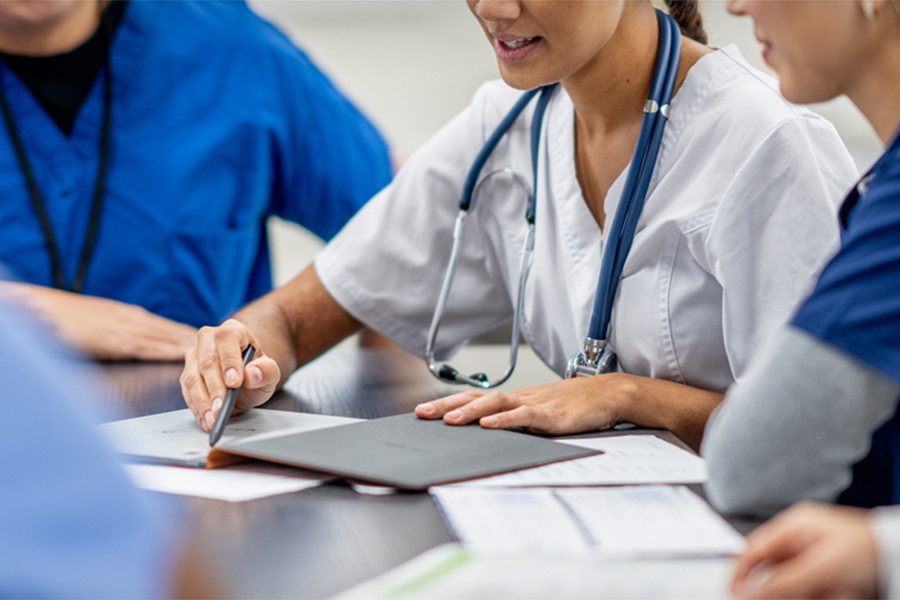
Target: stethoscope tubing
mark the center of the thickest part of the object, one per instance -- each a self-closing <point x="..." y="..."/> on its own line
<point x="638" y="179"/>
<point x="624" y="224"/>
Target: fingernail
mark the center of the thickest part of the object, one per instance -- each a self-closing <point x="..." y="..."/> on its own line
<point x="489" y="421"/>
<point x="231" y="377"/>
<point x="426" y="407"/>
<point x="216" y="405"/>
<point x="209" y="420"/>
<point x="255" y="374"/>
<point x="455" y="414"/>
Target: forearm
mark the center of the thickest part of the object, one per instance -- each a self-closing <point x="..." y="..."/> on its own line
<point x="794" y="426"/>
<point x="298" y="322"/>
<point x="662" y="404"/>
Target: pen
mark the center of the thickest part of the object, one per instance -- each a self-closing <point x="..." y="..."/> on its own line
<point x="228" y="405"/>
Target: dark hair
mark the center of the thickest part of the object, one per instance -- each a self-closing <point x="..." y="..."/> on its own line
<point x="687" y="14"/>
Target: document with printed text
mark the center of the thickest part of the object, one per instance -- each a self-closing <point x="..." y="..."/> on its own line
<point x="626" y="459"/>
<point x="620" y="522"/>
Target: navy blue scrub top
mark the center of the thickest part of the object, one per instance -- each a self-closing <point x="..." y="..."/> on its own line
<point x="856" y="307"/>
<point x="218" y="122"/>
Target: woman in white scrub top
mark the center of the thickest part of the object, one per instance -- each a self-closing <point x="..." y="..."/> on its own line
<point x="719" y="259"/>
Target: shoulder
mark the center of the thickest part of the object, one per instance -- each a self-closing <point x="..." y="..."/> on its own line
<point x="725" y="102"/>
<point x="212" y="31"/>
<point x="493" y="101"/>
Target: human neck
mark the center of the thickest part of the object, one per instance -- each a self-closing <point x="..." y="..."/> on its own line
<point x="609" y="91"/>
<point x="52" y="36"/>
<point x="876" y="91"/>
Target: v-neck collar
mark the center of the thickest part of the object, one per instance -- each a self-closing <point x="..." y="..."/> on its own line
<point x="42" y="135"/>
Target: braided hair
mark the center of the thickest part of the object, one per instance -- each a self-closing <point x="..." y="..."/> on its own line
<point x="687" y="14"/>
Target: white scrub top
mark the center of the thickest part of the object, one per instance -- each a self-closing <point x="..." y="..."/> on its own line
<point x="740" y="216"/>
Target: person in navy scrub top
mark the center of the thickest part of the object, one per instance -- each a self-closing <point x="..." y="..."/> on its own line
<point x="816" y="417"/>
<point x="142" y="148"/>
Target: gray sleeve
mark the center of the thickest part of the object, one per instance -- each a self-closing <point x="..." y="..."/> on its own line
<point x="794" y="426"/>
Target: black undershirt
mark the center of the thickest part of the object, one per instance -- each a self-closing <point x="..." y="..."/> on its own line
<point x="61" y="83"/>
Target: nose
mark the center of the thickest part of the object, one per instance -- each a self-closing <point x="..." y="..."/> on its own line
<point x="498" y="10"/>
<point x="737" y="7"/>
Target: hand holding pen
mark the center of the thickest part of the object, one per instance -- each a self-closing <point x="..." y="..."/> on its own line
<point x="228" y="404"/>
<point x="205" y="383"/>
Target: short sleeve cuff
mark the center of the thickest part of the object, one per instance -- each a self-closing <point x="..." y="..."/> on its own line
<point x="886" y="529"/>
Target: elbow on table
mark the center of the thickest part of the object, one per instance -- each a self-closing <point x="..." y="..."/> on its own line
<point x="735" y="490"/>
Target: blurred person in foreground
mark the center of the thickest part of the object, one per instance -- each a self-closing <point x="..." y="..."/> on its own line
<point x="71" y="523"/>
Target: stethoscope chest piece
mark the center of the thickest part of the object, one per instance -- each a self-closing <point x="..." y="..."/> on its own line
<point x="597" y="358"/>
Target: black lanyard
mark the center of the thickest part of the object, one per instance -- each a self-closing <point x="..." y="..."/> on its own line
<point x="37" y="200"/>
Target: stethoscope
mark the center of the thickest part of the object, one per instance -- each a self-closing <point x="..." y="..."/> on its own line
<point x="597" y="355"/>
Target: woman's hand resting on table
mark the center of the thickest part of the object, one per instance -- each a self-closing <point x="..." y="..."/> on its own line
<point x="103" y="328"/>
<point x="583" y="404"/>
<point x="215" y="365"/>
<point x="558" y="408"/>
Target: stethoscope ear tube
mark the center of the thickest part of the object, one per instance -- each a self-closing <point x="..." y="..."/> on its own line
<point x="597" y="355"/>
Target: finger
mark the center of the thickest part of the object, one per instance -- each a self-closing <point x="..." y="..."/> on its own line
<point x="774" y="542"/>
<point x="260" y="382"/>
<point x="231" y="338"/>
<point x="162" y="351"/>
<point x="529" y="417"/>
<point x="802" y="577"/>
<point x="488" y="404"/>
<point x="438" y="408"/>
<point x="210" y="370"/>
<point x="193" y="388"/>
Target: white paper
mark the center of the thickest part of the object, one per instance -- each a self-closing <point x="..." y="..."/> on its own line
<point x="627" y="459"/>
<point x="631" y="521"/>
<point x="176" y="438"/>
<point x="450" y="571"/>
<point x="238" y="483"/>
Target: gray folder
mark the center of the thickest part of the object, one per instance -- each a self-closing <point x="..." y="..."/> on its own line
<point x="408" y="453"/>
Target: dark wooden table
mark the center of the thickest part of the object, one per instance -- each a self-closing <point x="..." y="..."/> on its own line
<point x="317" y="542"/>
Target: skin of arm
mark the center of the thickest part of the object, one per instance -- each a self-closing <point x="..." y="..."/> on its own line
<point x="103" y="328"/>
<point x="584" y="404"/>
<point x="810" y="551"/>
<point x="288" y="327"/>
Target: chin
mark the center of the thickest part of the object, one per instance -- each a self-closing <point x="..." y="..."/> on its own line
<point x="803" y="93"/>
<point x="523" y="80"/>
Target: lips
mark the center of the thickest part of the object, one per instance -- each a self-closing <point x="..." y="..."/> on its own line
<point x="511" y="48"/>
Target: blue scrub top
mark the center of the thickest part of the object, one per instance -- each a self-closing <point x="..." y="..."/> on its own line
<point x="71" y="523"/>
<point x="856" y="307"/>
<point x="218" y="122"/>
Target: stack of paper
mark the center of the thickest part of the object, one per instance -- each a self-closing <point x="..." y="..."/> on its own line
<point x="450" y="571"/>
<point x="237" y="483"/>
<point x="633" y="521"/>
<point x="175" y="438"/>
<point x="628" y="459"/>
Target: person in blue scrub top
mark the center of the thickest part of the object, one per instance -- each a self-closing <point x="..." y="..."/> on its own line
<point x="71" y="523"/>
<point x="144" y="145"/>
<point x="816" y="418"/>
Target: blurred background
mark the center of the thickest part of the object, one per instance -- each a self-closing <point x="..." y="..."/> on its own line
<point x="412" y="65"/>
